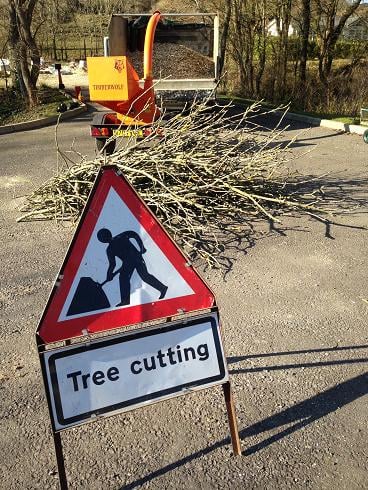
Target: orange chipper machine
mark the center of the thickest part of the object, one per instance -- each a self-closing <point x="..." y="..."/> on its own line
<point x="114" y="83"/>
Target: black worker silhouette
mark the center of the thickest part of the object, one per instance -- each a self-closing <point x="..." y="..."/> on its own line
<point x="132" y="259"/>
<point x="89" y="295"/>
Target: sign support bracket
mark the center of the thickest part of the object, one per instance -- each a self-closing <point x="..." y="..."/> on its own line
<point x="231" y="414"/>
<point x="233" y="424"/>
<point x="230" y="408"/>
<point x="60" y="461"/>
<point x="59" y="453"/>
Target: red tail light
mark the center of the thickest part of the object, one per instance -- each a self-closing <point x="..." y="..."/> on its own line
<point x="105" y="132"/>
<point x="97" y="132"/>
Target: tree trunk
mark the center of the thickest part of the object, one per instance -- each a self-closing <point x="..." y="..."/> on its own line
<point x="305" y="29"/>
<point x="54" y="47"/>
<point x="15" y="68"/>
<point x="25" y="47"/>
<point x="31" y="91"/>
<point x="283" y="47"/>
<point x="261" y="46"/>
<point x="329" y="37"/>
<point x="224" y="36"/>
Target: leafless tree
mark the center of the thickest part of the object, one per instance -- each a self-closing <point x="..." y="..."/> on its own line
<point x="330" y="20"/>
<point x="247" y="46"/>
<point x="24" y="50"/>
<point x="283" y="20"/>
<point x="224" y="35"/>
<point x="305" y="22"/>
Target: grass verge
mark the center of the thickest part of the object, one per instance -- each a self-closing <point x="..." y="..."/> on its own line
<point x="13" y="108"/>
<point x="268" y="105"/>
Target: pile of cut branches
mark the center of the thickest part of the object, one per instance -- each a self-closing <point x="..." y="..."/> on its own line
<point x="212" y="169"/>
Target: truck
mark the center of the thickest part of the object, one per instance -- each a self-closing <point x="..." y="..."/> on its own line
<point x="185" y="42"/>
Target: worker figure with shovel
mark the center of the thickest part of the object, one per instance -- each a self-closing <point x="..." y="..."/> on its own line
<point x="120" y="246"/>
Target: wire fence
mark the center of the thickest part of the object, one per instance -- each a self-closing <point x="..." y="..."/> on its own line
<point x="69" y="54"/>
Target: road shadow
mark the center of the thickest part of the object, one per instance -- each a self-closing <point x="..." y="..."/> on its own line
<point x="330" y="198"/>
<point x="303" y="365"/>
<point x="307" y="411"/>
<point x="336" y="190"/>
<point x="300" y="415"/>
<point x="312" y="409"/>
<point x="300" y="142"/>
<point x="342" y="348"/>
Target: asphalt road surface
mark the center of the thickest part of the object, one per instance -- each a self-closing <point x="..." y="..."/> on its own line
<point x="294" y="311"/>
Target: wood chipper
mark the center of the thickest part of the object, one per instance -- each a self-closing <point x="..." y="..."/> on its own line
<point x="115" y="83"/>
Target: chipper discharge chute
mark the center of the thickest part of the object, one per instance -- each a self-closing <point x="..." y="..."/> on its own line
<point x="114" y="83"/>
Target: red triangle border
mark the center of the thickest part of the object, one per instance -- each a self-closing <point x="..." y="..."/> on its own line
<point x="51" y="330"/>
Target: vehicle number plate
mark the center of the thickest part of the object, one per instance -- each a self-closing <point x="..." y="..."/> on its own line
<point x="128" y="133"/>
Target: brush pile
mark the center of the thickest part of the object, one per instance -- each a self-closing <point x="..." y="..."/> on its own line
<point x="213" y="171"/>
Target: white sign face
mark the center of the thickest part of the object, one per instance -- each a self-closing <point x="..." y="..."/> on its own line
<point x="133" y="369"/>
<point x="139" y="277"/>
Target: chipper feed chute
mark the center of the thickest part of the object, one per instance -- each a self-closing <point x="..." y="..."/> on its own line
<point x="114" y="83"/>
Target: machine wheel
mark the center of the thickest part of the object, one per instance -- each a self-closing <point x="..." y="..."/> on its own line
<point x="365" y="136"/>
<point x="109" y="148"/>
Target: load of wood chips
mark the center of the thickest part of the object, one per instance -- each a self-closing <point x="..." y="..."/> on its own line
<point x="182" y="7"/>
<point x="206" y="179"/>
<point x="175" y="61"/>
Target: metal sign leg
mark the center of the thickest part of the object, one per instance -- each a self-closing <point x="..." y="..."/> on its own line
<point x="233" y="423"/>
<point x="60" y="461"/>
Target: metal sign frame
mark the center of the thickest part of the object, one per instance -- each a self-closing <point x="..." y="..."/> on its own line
<point x="205" y="306"/>
<point x="225" y="383"/>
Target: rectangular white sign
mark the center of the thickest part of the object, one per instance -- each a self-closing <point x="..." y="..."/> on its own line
<point x="132" y="369"/>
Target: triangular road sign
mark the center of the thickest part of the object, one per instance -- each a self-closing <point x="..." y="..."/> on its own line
<point x="122" y="268"/>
